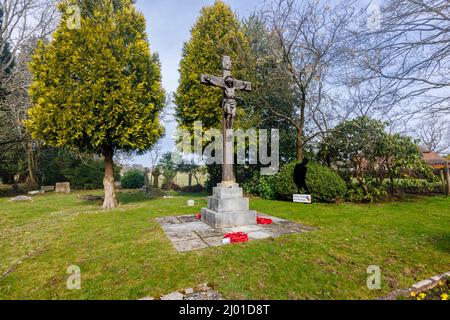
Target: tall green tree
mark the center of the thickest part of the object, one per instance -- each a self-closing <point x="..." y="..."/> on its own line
<point x="217" y="32"/>
<point x="97" y="88"/>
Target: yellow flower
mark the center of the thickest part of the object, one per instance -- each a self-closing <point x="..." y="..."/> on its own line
<point x="412" y="294"/>
<point x="444" y="296"/>
<point x="422" y="296"/>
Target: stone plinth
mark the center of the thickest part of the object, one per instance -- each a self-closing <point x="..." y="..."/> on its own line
<point x="228" y="208"/>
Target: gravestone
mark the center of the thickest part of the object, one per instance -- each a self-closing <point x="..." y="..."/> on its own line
<point x="227" y="207"/>
<point x="21" y="199"/>
<point x="34" y="193"/>
<point x="48" y="188"/>
<point x="62" y="187"/>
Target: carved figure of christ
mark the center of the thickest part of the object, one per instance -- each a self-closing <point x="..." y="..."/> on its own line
<point x="229" y="85"/>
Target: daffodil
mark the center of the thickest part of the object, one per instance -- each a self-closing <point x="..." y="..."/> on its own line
<point x="422" y="296"/>
<point x="412" y="294"/>
<point x="444" y="296"/>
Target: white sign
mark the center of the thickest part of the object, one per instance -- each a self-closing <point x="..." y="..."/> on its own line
<point x="302" y="198"/>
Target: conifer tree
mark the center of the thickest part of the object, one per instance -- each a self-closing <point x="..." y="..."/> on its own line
<point x="97" y="87"/>
<point x="217" y="32"/>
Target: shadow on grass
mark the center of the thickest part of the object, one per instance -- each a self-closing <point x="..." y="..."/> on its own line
<point x="133" y="197"/>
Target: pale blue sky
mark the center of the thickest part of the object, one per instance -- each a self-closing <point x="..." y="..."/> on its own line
<point x="168" y="26"/>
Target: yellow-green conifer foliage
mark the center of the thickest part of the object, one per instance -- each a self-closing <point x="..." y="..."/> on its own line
<point x="217" y="32"/>
<point x="98" y="88"/>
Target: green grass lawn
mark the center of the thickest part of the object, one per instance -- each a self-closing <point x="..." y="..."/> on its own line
<point x="124" y="254"/>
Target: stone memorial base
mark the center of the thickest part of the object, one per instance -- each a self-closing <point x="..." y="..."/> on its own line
<point x="227" y="207"/>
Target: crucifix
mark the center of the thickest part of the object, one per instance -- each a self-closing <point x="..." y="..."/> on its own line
<point x="229" y="85"/>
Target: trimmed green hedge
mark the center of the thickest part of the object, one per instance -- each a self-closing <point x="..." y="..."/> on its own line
<point x="324" y="184"/>
<point x="133" y="179"/>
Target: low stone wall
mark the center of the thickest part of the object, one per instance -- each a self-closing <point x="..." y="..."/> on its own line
<point x="419" y="287"/>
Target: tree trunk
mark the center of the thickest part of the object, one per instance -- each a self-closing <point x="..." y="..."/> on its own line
<point x="391" y="179"/>
<point x="196" y="179"/>
<point x="300" y="154"/>
<point x="31" y="162"/>
<point x="156" y="175"/>
<point x="447" y="179"/>
<point x="443" y="182"/>
<point x="190" y="179"/>
<point x="109" y="182"/>
<point x="363" y="185"/>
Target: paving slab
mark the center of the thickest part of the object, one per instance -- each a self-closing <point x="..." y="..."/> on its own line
<point x="186" y="219"/>
<point x="274" y="219"/>
<point x="214" y="233"/>
<point x="214" y="242"/>
<point x="245" y="229"/>
<point x="260" y="235"/>
<point x="190" y="245"/>
<point x="187" y="227"/>
<point x="187" y="233"/>
<point x="183" y="236"/>
<point x="168" y="220"/>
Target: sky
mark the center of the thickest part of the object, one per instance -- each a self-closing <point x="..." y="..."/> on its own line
<point x="169" y="23"/>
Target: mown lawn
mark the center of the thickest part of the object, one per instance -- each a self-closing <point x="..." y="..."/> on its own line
<point x="124" y="254"/>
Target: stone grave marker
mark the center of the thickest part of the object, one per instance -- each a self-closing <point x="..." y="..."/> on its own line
<point x="62" y="187"/>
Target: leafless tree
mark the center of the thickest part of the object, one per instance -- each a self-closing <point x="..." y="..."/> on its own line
<point x="435" y="135"/>
<point x="155" y="155"/>
<point x="21" y="21"/>
<point x="307" y="42"/>
<point x="409" y="53"/>
<point x="22" y="24"/>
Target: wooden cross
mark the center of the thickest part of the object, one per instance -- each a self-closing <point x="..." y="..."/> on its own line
<point x="229" y="85"/>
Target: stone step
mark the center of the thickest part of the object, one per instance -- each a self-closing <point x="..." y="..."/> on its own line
<point x="226" y="193"/>
<point x="228" y="219"/>
<point x="228" y="204"/>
